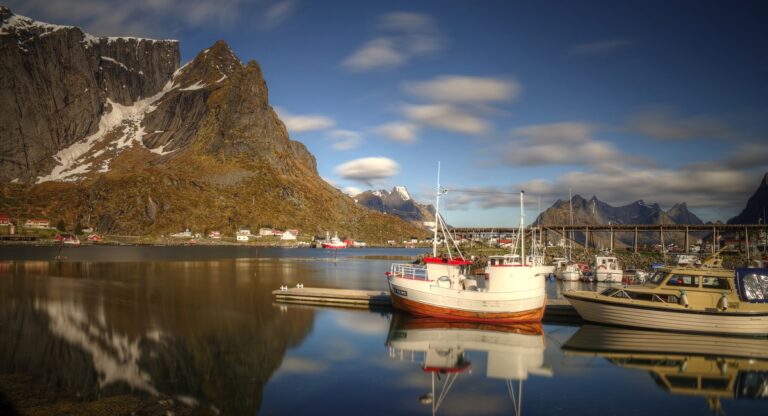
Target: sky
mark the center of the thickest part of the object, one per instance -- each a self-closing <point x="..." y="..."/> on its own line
<point x="664" y="101"/>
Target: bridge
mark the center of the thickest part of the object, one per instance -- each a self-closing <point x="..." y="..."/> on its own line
<point x="742" y="232"/>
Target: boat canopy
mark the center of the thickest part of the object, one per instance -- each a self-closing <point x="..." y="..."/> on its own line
<point x="752" y="285"/>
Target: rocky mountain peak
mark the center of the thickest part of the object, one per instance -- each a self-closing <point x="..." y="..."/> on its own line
<point x="210" y="67"/>
<point x="757" y="206"/>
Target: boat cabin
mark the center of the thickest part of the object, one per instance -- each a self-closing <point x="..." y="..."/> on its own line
<point x="505" y="260"/>
<point x="610" y="263"/>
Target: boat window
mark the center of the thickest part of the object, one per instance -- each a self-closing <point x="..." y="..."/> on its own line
<point x="708" y="282"/>
<point x="683" y="280"/>
<point x="657" y="278"/>
<point x="683" y="381"/>
<point x="715" y="383"/>
<point x="754" y="287"/>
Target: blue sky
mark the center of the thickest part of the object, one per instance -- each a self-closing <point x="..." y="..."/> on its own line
<point x="661" y="101"/>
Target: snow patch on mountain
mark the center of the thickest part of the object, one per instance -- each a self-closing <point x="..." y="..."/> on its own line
<point x="403" y="192"/>
<point x="72" y="160"/>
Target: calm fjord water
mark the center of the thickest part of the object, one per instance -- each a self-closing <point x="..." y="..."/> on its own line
<point x="193" y="330"/>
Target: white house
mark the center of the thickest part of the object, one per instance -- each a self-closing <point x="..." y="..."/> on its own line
<point x="242" y="237"/>
<point x="184" y="234"/>
<point x="287" y="235"/>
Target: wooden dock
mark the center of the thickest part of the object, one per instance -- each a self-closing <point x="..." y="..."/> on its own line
<point x="558" y="310"/>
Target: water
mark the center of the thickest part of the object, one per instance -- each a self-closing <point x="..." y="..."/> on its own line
<point x="193" y="330"/>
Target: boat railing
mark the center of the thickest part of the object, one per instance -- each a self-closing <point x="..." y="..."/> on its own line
<point x="409" y="271"/>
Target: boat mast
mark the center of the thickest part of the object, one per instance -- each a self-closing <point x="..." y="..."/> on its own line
<point x="570" y="214"/>
<point x="437" y="212"/>
<point x="522" y="228"/>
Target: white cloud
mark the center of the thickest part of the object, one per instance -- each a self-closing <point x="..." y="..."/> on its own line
<point x="664" y="124"/>
<point x="304" y="123"/>
<point x="399" y="131"/>
<point x="600" y="47"/>
<point x="278" y="13"/>
<point x="566" y="143"/>
<point x="375" y="54"/>
<point x="401" y="36"/>
<point x="446" y="117"/>
<point x="465" y="89"/>
<point x="368" y="169"/>
<point x="351" y="190"/>
<point x="345" y="139"/>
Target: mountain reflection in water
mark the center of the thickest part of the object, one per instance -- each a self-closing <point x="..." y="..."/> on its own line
<point x="188" y="332"/>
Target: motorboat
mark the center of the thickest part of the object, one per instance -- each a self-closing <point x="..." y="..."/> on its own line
<point x="568" y="271"/>
<point x="512" y="290"/>
<point x="711" y="366"/>
<point x="446" y="350"/>
<point x="703" y="299"/>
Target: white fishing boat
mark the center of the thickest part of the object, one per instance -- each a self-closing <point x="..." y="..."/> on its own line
<point x="705" y="299"/>
<point x="513" y="291"/>
<point x="445" y="350"/>
<point x="607" y="270"/>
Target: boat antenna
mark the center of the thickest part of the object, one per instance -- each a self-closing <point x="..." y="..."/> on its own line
<point x="437" y="212"/>
<point x="522" y="227"/>
<point x="570" y="214"/>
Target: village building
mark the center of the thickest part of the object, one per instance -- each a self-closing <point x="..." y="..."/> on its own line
<point x="288" y="235"/>
<point x="243" y="237"/>
<point x="184" y="234"/>
<point x="5" y="219"/>
<point x="37" y="223"/>
<point x="214" y="234"/>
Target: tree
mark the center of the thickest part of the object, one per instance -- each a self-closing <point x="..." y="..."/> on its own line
<point x="61" y="225"/>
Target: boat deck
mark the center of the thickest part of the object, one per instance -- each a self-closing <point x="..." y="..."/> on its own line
<point x="556" y="310"/>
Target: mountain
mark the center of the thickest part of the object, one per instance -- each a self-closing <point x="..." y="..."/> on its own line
<point x="399" y="203"/>
<point x="757" y="205"/>
<point x="680" y="214"/>
<point x="112" y="133"/>
<point x="594" y="211"/>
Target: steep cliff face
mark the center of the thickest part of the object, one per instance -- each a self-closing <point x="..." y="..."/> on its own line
<point x="193" y="147"/>
<point x="56" y="81"/>
<point x="757" y="205"/>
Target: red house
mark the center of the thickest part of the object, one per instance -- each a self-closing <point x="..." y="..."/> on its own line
<point x="5" y="219"/>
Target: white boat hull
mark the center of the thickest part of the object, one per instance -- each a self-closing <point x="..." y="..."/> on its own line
<point x="681" y="320"/>
<point x="568" y="275"/>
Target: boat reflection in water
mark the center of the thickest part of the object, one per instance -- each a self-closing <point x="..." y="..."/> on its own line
<point x="513" y="352"/>
<point x="710" y="366"/>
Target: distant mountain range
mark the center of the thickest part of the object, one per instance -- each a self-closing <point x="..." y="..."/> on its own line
<point x="399" y="203"/>
<point x="756" y="208"/>
<point x="594" y="211"/>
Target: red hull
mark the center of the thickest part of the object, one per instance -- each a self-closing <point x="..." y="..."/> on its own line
<point x="420" y="309"/>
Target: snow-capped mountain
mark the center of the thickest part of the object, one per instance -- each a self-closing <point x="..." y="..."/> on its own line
<point x="398" y="202"/>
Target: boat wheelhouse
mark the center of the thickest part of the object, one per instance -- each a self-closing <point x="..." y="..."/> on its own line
<point x="706" y="299"/>
<point x="607" y="270"/>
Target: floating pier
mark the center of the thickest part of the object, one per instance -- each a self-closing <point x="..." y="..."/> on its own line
<point x="558" y="310"/>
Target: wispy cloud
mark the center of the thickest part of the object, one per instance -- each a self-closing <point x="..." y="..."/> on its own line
<point x="565" y="143"/>
<point x="600" y="47"/>
<point x="401" y="37"/>
<point x="368" y="170"/>
<point x="304" y="123"/>
<point x="154" y="18"/>
<point x="446" y="117"/>
<point x="345" y="139"/>
<point x="399" y="131"/>
<point x="666" y="124"/>
<point x="465" y="89"/>
<point x="458" y="103"/>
